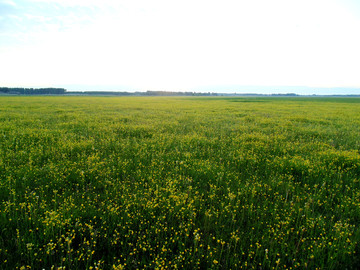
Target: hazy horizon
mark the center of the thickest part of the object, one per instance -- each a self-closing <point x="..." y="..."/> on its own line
<point x="230" y="89"/>
<point x="238" y="89"/>
<point x="305" y="47"/>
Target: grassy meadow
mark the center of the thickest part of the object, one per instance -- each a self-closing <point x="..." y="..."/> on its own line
<point x="168" y="183"/>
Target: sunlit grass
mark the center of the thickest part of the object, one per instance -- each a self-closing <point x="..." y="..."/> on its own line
<point x="218" y="183"/>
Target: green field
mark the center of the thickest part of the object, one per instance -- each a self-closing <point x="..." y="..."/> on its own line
<point x="194" y="183"/>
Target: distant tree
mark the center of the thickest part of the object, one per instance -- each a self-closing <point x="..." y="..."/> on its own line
<point x="32" y="91"/>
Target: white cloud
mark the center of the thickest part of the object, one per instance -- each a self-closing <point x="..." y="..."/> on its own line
<point x="166" y="44"/>
<point x="8" y="2"/>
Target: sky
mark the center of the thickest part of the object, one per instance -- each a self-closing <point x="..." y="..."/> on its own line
<point x="260" y="46"/>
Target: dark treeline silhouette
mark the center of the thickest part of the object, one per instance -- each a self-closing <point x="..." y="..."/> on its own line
<point x="63" y="91"/>
<point x="147" y="93"/>
<point x="166" y="93"/>
<point x="100" y="93"/>
<point x="32" y="91"/>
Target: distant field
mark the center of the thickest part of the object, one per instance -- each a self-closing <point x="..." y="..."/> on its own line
<point x="195" y="183"/>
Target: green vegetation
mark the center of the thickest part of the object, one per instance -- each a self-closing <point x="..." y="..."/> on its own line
<point x="31" y="91"/>
<point x="159" y="182"/>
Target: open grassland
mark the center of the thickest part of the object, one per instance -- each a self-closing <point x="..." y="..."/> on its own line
<point x="218" y="183"/>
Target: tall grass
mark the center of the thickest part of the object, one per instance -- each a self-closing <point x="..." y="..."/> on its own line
<point x="152" y="182"/>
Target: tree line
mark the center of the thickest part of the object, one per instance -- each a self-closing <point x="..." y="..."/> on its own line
<point x="32" y="91"/>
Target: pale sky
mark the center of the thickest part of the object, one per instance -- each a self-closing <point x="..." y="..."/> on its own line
<point x="180" y="45"/>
